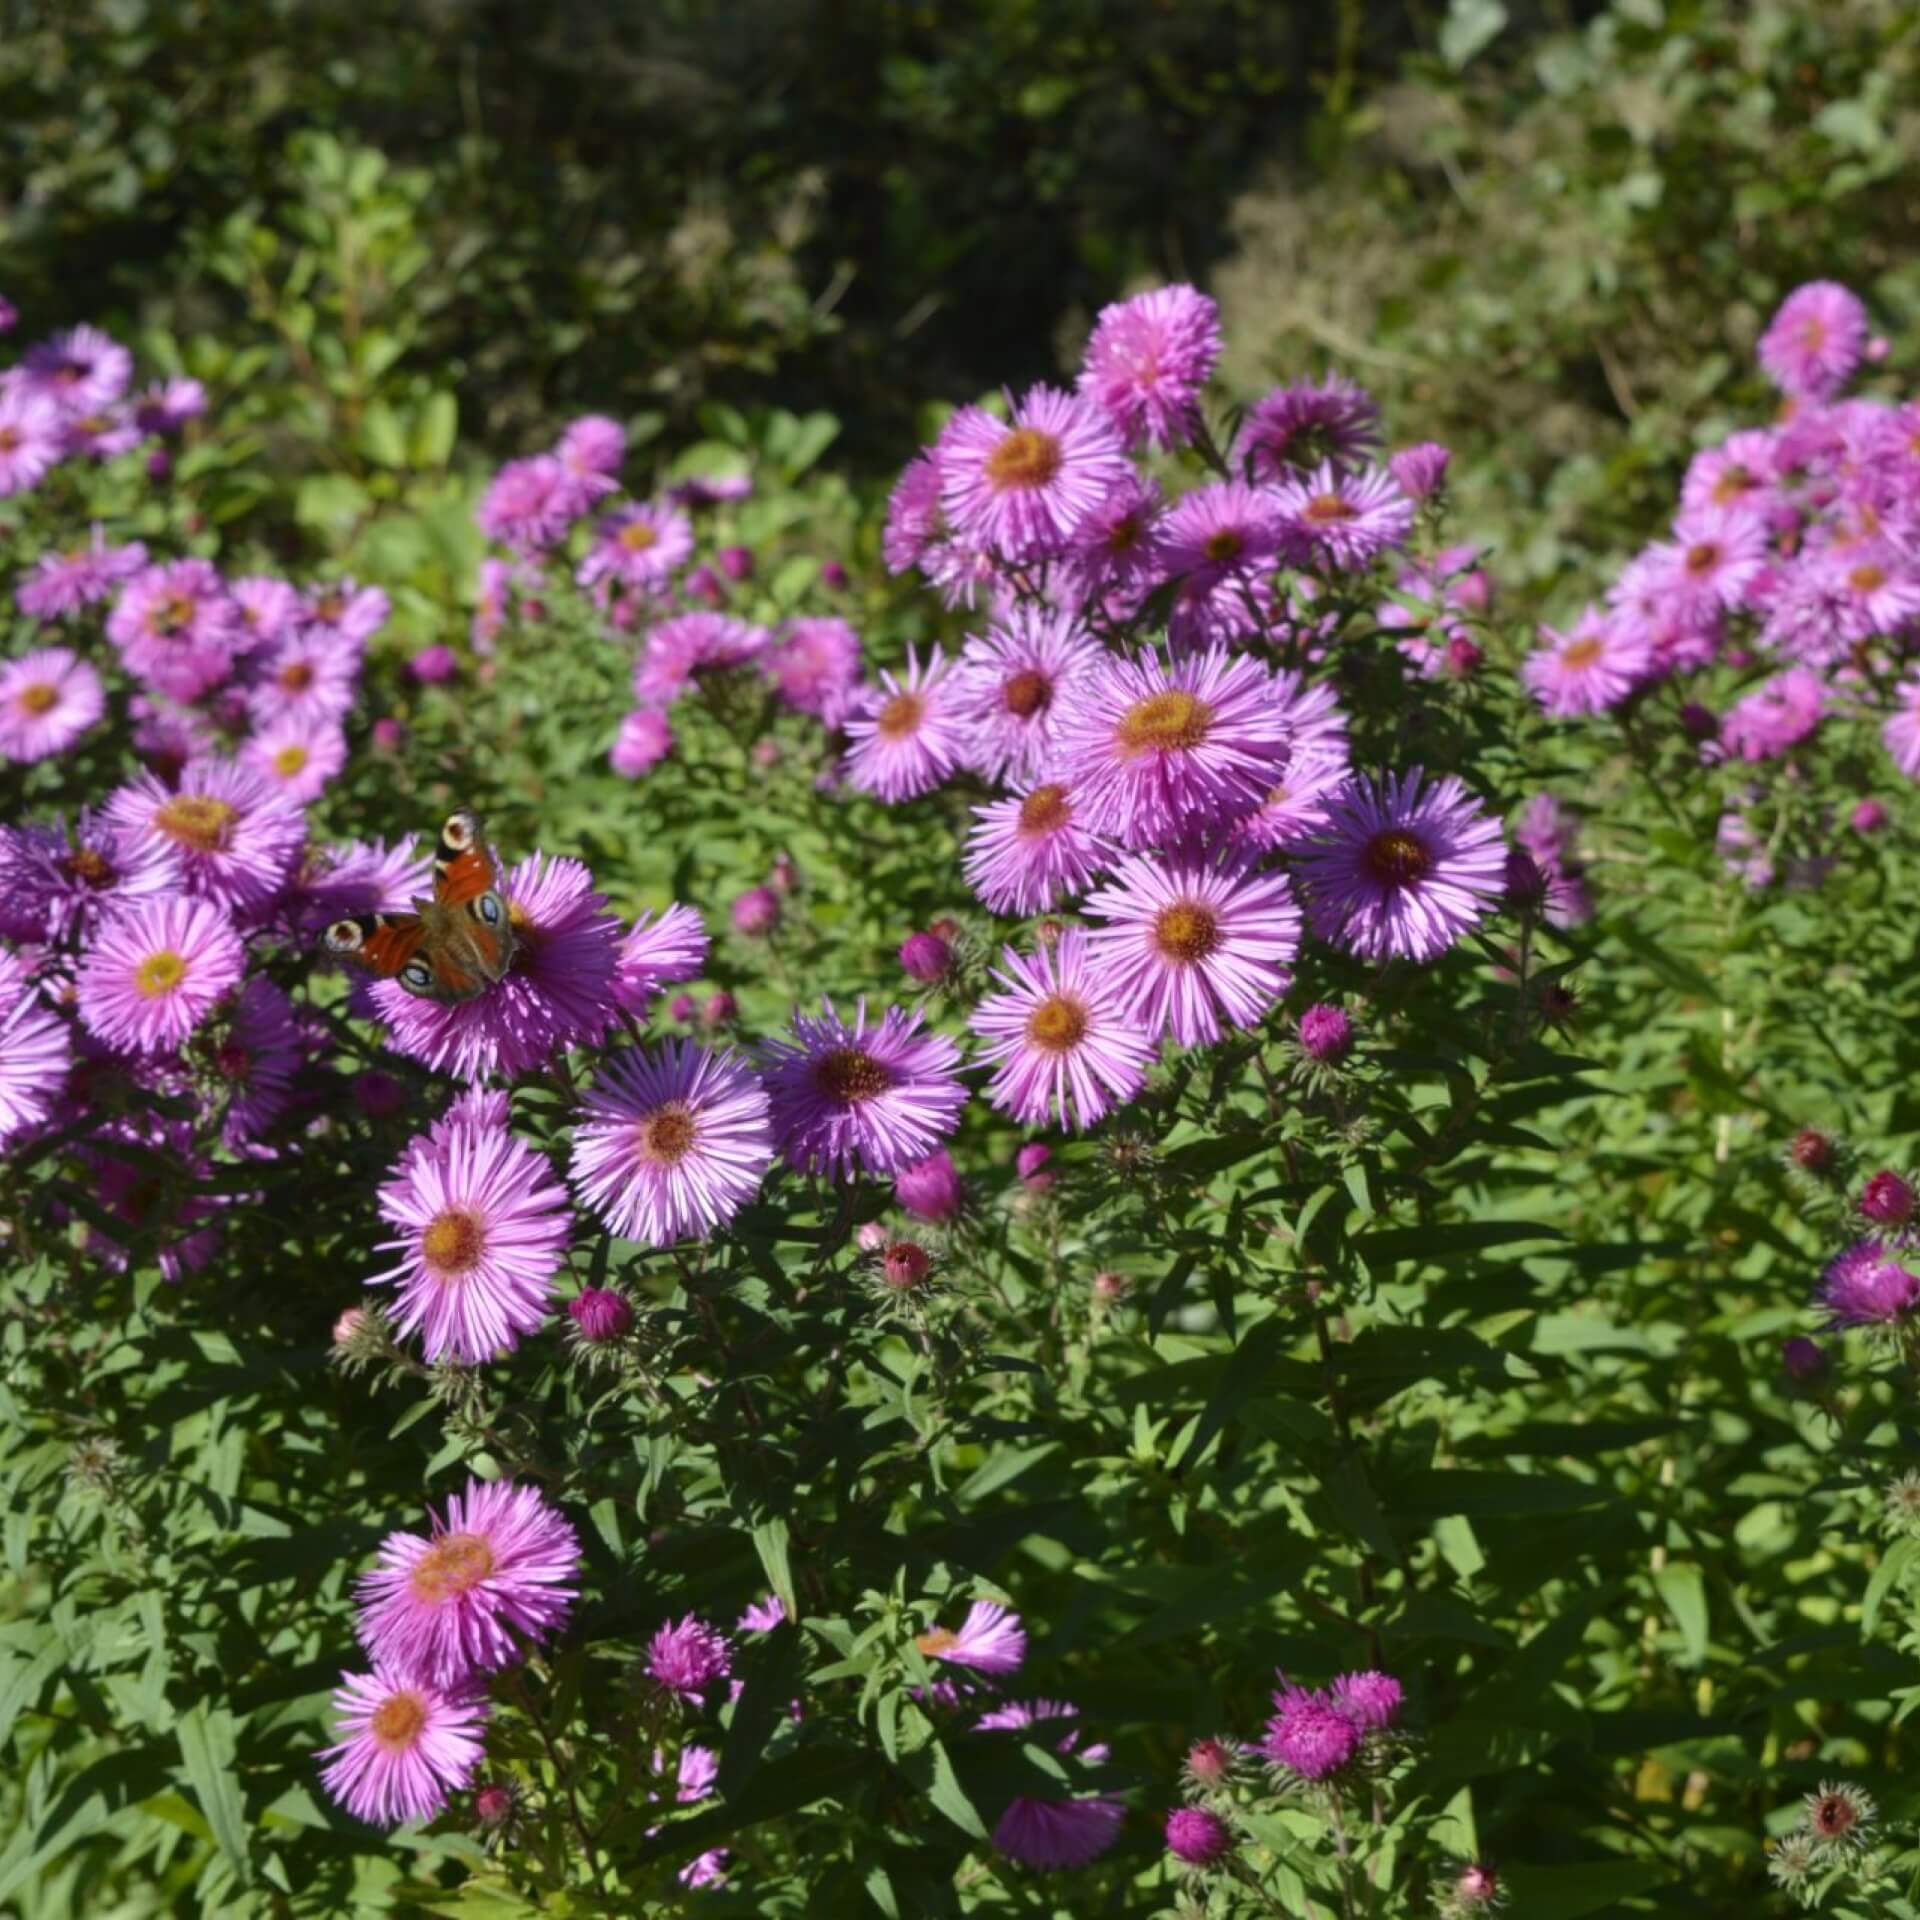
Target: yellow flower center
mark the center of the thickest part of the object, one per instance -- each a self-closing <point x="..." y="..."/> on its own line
<point x="1025" y="459"/>
<point x="453" y="1242"/>
<point x="1186" y="931"/>
<point x="290" y="761"/>
<point x="196" y="821"/>
<point x="637" y="536"/>
<point x="1045" y="810"/>
<point x="159" y="973"/>
<point x="454" y="1563"/>
<point x="172" y="614"/>
<point x="39" y="698"/>
<point x="1058" y="1024"/>
<point x="1163" y="723"/>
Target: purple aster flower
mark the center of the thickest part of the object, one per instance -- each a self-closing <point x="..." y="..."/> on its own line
<point x="529" y="504"/>
<point x="644" y="740"/>
<point x="57" y="884"/>
<point x="1197" y="1838"/>
<point x="1297" y="428"/>
<point x="1420" y="471"/>
<point x="360" y="876"/>
<point x="48" y="699"/>
<point x="907" y="734"/>
<point x="31" y="439"/>
<point x="1155" y="751"/>
<point x="1864" y="589"/>
<point x="558" y="993"/>
<point x="298" y="757"/>
<point x="1022" y="487"/>
<point x="1119" y="550"/>
<point x="495" y="1573"/>
<point x="815" y="667"/>
<point x="153" y="972"/>
<point x="712" y="489"/>
<point x="1776" y="717"/>
<point x="406" y="1745"/>
<point x="238" y="839"/>
<point x="1065" y="1044"/>
<point x="1308" y="1735"/>
<point x="35" y="1050"/>
<point x="1341" y="519"/>
<point x="255" y="1059"/>
<point x="1188" y="943"/>
<point x="305" y="676"/>
<point x="1717" y="558"/>
<point x="482" y="1232"/>
<point x="80" y="371"/>
<point x="1594" y="667"/>
<point x="913" y="514"/>
<point x="168" y="405"/>
<point x="874" y="1098"/>
<point x="1052" y="1834"/>
<point x="344" y="612"/>
<point x="103" y="435"/>
<point x="763" y="1616"/>
<point x="1220" y="533"/>
<point x="679" y="648"/>
<point x="1296" y="806"/>
<point x="593" y="446"/>
<point x="1148" y="360"/>
<point x="1901" y="734"/>
<point x="1027" y="854"/>
<point x="1011" y="682"/>
<point x="1371" y="1700"/>
<point x="175" y="628"/>
<point x="1739" y="472"/>
<point x="687" y="1657"/>
<point x="639" y="546"/>
<point x="1406" y="867"/>
<point x="1326" y="1034"/>
<point x="990" y="1640"/>
<point x="63" y="583"/>
<point x="434" y="666"/>
<point x="492" y="602"/>
<point x="1814" y="343"/>
<point x="930" y="1189"/>
<point x="659" y="953"/>
<point x="670" y="1144"/>
<point x="1862" y="1287"/>
<point x="266" y="611"/>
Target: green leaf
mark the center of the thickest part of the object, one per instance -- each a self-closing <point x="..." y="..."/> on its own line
<point x="1470" y="27"/>
<point x="1246" y="1373"/>
<point x="207" y="1749"/>
<point x="950" y="1796"/>
<point x="381" y="437"/>
<point x="770" y="1543"/>
<point x="1565" y="1893"/>
<point x="435" y="430"/>
<point x="772" y="1670"/>
<point x="1684" y="1589"/>
<point x="1892" y="1571"/>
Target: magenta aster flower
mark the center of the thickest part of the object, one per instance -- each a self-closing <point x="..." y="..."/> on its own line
<point x="63" y="583"/>
<point x="494" y="1574"/>
<point x="35" y="1050"/>
<point x="990" y="1639"/>
<point x="1887" y="1199"/>
<point x="1420" y="471"/>
<point x="930" y="1189"/>
<point x="861" y="1097"/>
<point x="1592" y="668"/>
<point x="638" y="546"/>
<point x="593" y="447"/>
<point x="644" y="740"/>
<point x="1326" y="1034"/>
<point x="1052" y="1834"/>
<point x="1119" y="551"/>
<point x="58" y="884"/>
<point x="1065" y="1044"/>
<point x="153" y="972"/>
<point x="1371" y="1700"/>
<point x="687" y="1657"/>
<point x="31" y="439"/>
<point x="1309" y="1735"/>
<point x="48" y="699"/>
<point x="1862" y="1287"/>
<point x="1776" y="716"/>
<point x="1406" y="868"/>
<point x="679" y="648"/>
<point x="344" y="612"/>
<point x="1198" y="1838"/>
<point x="1815" y="341"/>
<point x="406" y="1745"/>
<point x="913" y="514"/>
<point x="1188" y="943"/>
<point x="80" y="371"/>
<point x="482" y="1232"/>
<point x="1027" y="854"/>
<point x="1148" y="360"/>
<point x="175" y="628"/>
<point x="659" y="953"/>
<point x="1022" y="487"/>
<point x="237" y="838"/>
<point x="529" y="504"/>
<point x="671" y="1143"/>
<point x="1297" y="428"/>
<point x="1010" y="683"/>
<point x="1717" y="559"/>
<point x="1221" y="532"/>
<point x="168" y="405"/>
<point x="1155" y="751"/>
<point x="1341" y="519"/>
<point x="297" y="757"/>
<point x="255" y="1060"/>
<point x="303" y="676"/>
<point x="762" y="1616"/>
<point x="816" y="666"/>
<point x="558" y="993"/>
<point x="907" y="734"/>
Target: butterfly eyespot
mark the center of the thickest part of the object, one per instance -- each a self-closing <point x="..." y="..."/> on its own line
<point x="343" y="936"/>
<point x="490" y="908"/>
<point x="458" y="832"/>
<point x="417" y="976"/>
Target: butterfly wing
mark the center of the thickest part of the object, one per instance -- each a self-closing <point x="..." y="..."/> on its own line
<point x="462" y="863"/>
<point x="470" y="935"/>
<point x="387" y="944"/>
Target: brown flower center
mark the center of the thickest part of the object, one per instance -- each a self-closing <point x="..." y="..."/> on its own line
<point x="666" y="1136"/>
<point x="852" y="1074"/>
<point x="397" y="1721"/>
<point x="91" y="866"/>
<point x="1832" y="1815"/>
<point x="233" y="1062"/>
<point x="289" y="761"/>
<point x="1228" y="544"/>
<point x="454" y="1563"/>
<point x="1865" y="579"/>
<point x="1057" y="1024"/>
<point x="1027" y="692"/>
<point x="900" y="716"/>
<point x="1163" y="723"/>
<point x="1703" y="557"/>
<point x="453" y="1242"/>
<point x="1124" y="535"/>
<point x="1025" y="459"/>
<point x="159" y="973"/>
<point x="295" y="677"/>
<point x="1324" y="508"/>
<point x="39" y="698"/>
<point x="1186" y="931"/>
<point x="1732" y="484"/>
<point x="330" y="606"/>
<point x="1582" y="653"/>
<point x="10" y="438"/>
<point x="1396" y="857"/>
<point x="1045" y="810"/>
<point x="172" y="614"/>
<point x="637" y="536"/>
<point x="196" y="821"/>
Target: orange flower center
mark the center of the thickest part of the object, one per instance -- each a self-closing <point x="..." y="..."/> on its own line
<point x="1732" y="484"/>
<point x="1397" y="857"/>
<point x="1163" y="723"/>
<point x="397" y="1721"/>
<point x="852" y="1074"/>
<point x="1866" y="578"/>
<point x="453" y="1242"/>
<point x="1582" y="653"/>
<point x="636" y="536"/>
<point x="454" y="1563"/>
<point x="1025" y="459"/>
<point x="172" y="614"/>
<point x="1057" y="1024"/>
<point x="1324" y="508"/>
<point x="666" y="1136"/>
<point x="1702" y="557"/>
<point x="1027" y="693"/>
<point x="937" y="1641"/>
<point x="196" y="821"/>
<point x="900" y="716"/>
<point x="329" y="607"/>
<point x="295" y="677"/>
<point x="39" y="698"/>
<point x="1045" y="810"/>
<point x="1186" y="931"/>
<point x="159" y="973"/>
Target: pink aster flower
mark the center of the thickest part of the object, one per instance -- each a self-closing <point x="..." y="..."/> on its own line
<point x="1717" y="558"/>
<point x="80" y="371"/>
<point x="1295" y="429"/>
<point x="298" y="757"/>
<point x="639" y="546"/>
<point x="406" y="1745"/>
<point x="1864" y="590"/>
<point x="266" y="612"/>
<point x="1155" y="750"/>
<point x="930" y="1189"/>
<point x="1420" y="471"/>
<point x="303" y="676"/>
<point x="670" y="1144"/>
<point x="1188" y="943"/>
<point x="1901" y="734"/>
<point x="1027" y="854"/>
<point x="1776" y="717"/>
<point x="1148" y="360"/>
<point x="868" y="1097"/>
<point x="63" y="583"/>
<point x="238" y="839"/>
<point x="153" y="972"/>
<point x="593" y="445"/>
<point x="1296" y="806"/>
<point x="688" y="1657"/>
<point x="57" y="884"/>
<point x="1341" y="519"/>
<point x="35" y="1050"/>
<point x="644" y="740"/>
<point x="529" y="504"/>
<point x="1594" y="667"/>
<point x="344" y="612"/>
<point x="482" y="1232"/>
<point x="558" y="993"/>
<point x="1309" y="1736"/>
<point x="907" y="734"/>
<point x="494" y="1574"/>
<point x="175" y="628"/>
<point x="1052" y="1834"/>
<point x="1119" y="552"/>
<point x="1815" y="340"/>
<point x="1739" y="472"/>
<point x="990" y="1640"/>
<point x="48" y="699"/>
<point x="815" y="667"/>
<point x="1406" y="867"/>
<point x="259" y="1051"/>
<point x="1011" y="682"/>
<point x="1221" y="532"/>
<point x="1064" y="1042"/>
<point x="913" y="514"/>
<point x="659" y="953"/>
<point x="1864" y="1288"/>
<point x="1371" y="1699"/>
<point x="1022" y="487"/>
<point x="31" y="439"/>
<point x="679" y="648"/>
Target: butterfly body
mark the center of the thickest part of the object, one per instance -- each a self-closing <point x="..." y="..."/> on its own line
<point x="452" y="947"/>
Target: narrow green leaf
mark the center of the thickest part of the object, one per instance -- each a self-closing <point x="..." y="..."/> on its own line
<point x="1684" y="1589"/>
<point x="207" y="1749"/>
<point x="1895" y="1564"/>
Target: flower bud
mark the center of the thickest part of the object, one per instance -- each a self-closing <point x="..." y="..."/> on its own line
<point x="1806" y="1361"/>
<point x="1326" y="1034"/>
<point x="926" y="957"/>
<point x="905" y="1265"/>
<point x="1887" y="1200"/>
<point x="601" y="1315"/>
<point x="1197" y="1837"/>
<point x="1031" y="1164"/>
<point x="756" y="912"/>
